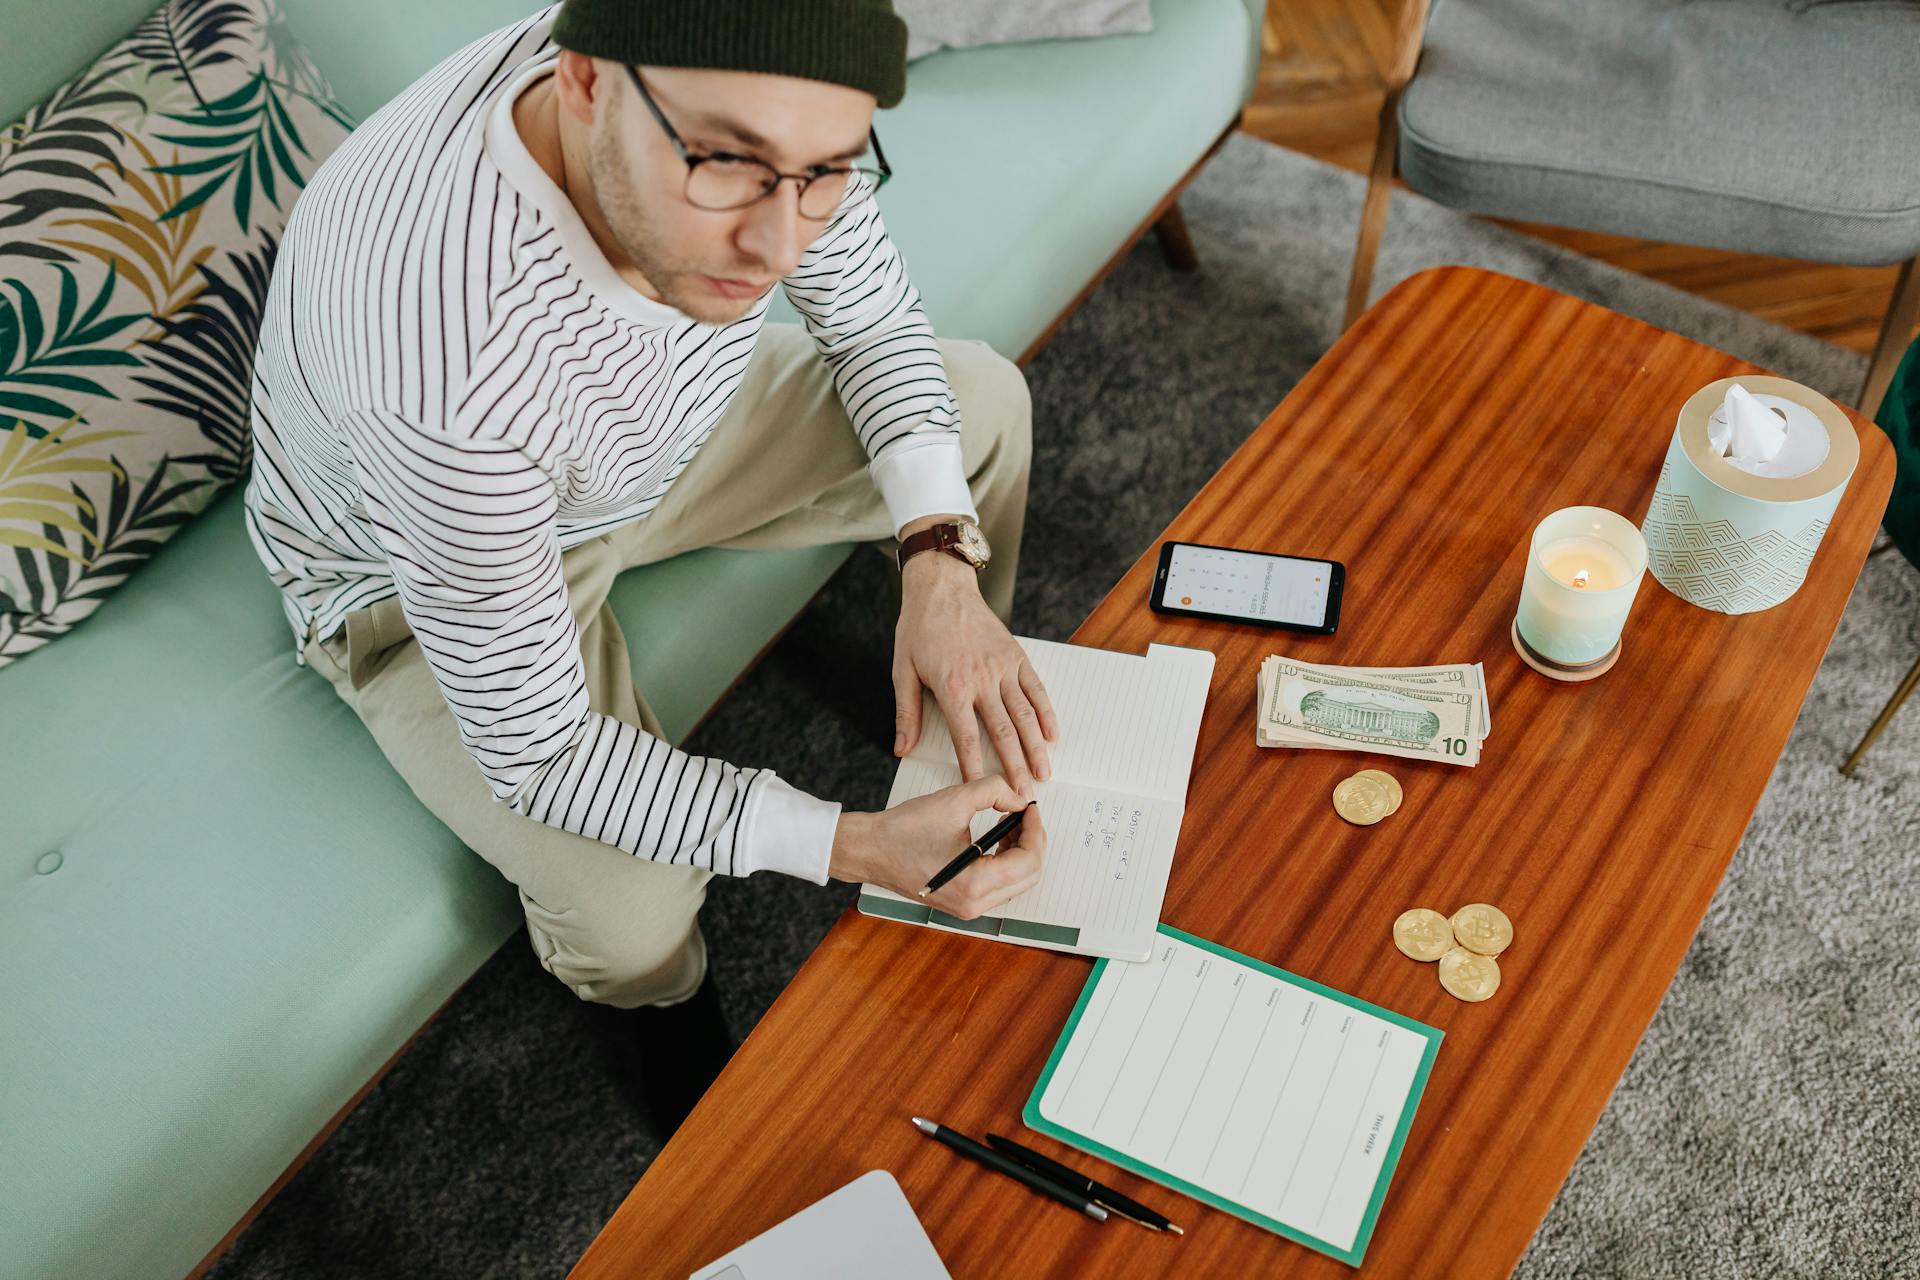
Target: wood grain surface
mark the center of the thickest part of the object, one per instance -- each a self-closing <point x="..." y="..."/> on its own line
<point x="1420" y="451"/>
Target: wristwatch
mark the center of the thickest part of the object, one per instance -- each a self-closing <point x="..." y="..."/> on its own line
<point x="961" y="539"/>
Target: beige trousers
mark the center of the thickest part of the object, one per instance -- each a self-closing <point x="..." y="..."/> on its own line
<point x="782" y="468"/>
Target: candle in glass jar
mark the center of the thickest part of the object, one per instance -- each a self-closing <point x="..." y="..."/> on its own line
<point x="1583" y="571"/>
<point x="1585" y="563"/>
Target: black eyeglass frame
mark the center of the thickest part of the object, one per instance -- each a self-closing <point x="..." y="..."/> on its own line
<point x="879" y="176"/>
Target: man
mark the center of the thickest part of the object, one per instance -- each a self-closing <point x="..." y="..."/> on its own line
<point x="513" y="345"/>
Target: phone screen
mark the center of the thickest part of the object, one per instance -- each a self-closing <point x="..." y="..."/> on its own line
<point x="1248" y="584"/>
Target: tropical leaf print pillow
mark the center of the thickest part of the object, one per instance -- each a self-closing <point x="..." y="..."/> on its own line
<point x="140" y="208"/>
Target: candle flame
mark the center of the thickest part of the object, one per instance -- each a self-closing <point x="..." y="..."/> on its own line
<point x="1580" y="579"/>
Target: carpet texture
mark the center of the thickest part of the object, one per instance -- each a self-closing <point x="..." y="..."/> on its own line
<point x="1767" y="1123"/>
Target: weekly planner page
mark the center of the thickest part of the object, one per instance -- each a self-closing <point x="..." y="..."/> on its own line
<point x="1112" y="809"/>
<point x="1261" y="1093"/>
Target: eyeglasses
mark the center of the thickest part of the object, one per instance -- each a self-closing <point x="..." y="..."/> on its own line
<point x="723" y="180"/>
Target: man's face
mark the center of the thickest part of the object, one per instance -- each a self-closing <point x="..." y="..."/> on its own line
<point x="692" y="255"/>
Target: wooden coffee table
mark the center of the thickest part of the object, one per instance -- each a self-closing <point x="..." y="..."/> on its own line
<point x="1420" y="451"/>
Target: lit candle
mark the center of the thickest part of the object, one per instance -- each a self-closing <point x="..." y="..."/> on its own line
<point x="1583" y="571"/>
<point x="1587" y="564"/>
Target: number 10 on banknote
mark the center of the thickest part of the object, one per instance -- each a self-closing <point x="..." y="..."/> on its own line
<point x="1419" y="718"/>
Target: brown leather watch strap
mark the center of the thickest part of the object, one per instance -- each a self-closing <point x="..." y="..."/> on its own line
<point x="941" y="537"/>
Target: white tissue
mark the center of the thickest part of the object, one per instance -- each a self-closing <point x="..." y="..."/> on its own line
<point x="1767" y="435"/>
<point x="1754" y="433"/>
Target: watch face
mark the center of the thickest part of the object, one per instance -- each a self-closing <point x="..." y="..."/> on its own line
<point x="973" y="544"/>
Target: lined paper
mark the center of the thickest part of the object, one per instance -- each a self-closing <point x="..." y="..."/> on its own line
<point x="1104" y="867"/>
<point x="1127" y="723"/>
<point x="1270" y="1096"/>
<point x="1113" y="806"/>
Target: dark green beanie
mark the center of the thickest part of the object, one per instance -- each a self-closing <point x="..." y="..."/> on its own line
<point x="860" y="43"/>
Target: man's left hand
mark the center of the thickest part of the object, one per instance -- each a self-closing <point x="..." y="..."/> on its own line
<point x="949" y="641"/>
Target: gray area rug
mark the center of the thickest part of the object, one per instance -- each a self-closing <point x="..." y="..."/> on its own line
<point x="1767" y="1124"/>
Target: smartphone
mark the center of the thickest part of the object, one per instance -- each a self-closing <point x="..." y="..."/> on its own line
<point x="1257" y="587"/>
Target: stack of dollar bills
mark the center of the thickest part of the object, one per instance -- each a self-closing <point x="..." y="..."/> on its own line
<point x="1419" y="713"/>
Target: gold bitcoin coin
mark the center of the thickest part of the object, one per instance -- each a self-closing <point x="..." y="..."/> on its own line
<point x="1481" y="927"/>
<point x="1362" y="801"/>
<point x="1423" y="934"/>
<point x="1468" y="975"/>
<point x="1387" y="780"/>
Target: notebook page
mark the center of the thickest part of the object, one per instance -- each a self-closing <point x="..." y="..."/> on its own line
<point x="1265" y="1094"/>
<point x="1127" y="723"/>
<point x="1108" y="854"/>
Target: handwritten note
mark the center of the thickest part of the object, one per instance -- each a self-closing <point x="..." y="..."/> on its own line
<point x="1113" y="806"/>
<point x="1113" y="828"/>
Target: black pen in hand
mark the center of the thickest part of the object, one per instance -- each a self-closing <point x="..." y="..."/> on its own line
<point x="1018" y="1172"/>
<point x="964" y="859"/>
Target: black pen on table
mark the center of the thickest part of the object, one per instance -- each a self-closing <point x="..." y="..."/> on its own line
<point x="1074" y="1180"/>
<point x="1018" y="1172"/>
<point x="964" y="859"/>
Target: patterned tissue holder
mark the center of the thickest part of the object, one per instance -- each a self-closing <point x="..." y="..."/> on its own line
<point x="1731" y="541"/>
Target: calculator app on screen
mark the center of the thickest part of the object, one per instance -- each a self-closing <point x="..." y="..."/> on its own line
<point x="1247" y="584"/>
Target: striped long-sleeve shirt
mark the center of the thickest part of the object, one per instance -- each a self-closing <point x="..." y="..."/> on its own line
<point x="453" y="386"/>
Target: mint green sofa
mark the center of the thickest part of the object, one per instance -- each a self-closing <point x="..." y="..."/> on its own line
<point x="191" y="994"/>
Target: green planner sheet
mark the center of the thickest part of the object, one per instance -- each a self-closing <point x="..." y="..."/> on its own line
<point x="1258" y="1092"/>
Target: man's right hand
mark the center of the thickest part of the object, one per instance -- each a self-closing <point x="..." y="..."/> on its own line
<point x="903" y="847"/>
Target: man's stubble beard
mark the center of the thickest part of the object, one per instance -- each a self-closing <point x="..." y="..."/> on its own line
<point x="631" y="227"/>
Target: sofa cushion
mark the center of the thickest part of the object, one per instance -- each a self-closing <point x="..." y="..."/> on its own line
<point x="220" y="911"/>
<point x="1766" y="126"/>
<point x="966" y="24"/>
<point x="140" y="206"/>
<point x="1085" y="164"/>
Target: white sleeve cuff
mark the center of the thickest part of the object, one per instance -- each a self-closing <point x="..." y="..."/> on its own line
<point x="924" y="480"/>
<point x="789" y="831"/>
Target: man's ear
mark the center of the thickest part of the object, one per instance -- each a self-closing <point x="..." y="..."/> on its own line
<point x="580" y="81"/>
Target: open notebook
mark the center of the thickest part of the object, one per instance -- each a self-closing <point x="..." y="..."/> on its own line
<point x="1112" y="808"/>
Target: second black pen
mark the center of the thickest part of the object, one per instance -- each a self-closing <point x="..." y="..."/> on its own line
<point x="1019" y="1173"/>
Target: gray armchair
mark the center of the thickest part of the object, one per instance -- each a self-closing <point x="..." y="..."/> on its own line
<point x="1785" y="127"/>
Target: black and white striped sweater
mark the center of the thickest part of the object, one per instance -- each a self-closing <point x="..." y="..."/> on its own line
<point x="453" y="386"/>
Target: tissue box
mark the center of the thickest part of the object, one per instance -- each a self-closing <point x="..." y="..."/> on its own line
<point x="1731" y="541"/>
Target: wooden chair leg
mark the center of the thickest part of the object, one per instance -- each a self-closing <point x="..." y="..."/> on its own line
<point x="1175" y="244"/>
<point x="1900" y="695"/>
<point x="1373" y="212"/>
<point x="1408" y="33"/>
<point x="1895" y="332"/>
